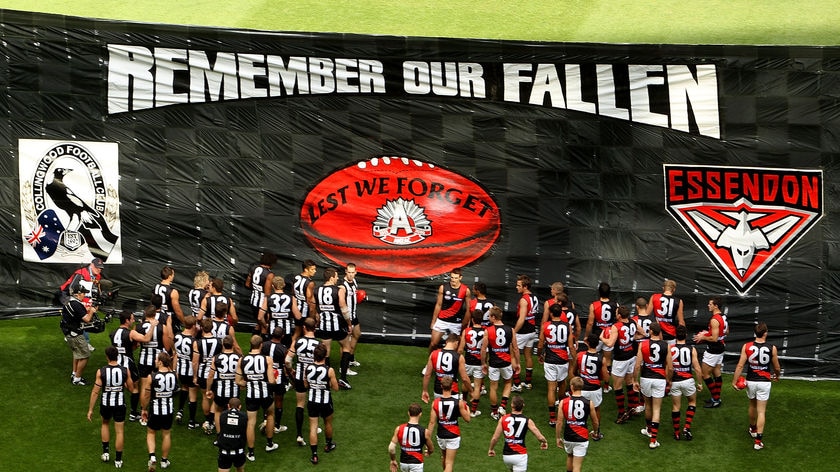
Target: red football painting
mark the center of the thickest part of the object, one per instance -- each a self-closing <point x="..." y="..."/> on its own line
<point x="400" y="218"/>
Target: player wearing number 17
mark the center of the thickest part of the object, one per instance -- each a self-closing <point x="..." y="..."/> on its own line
<point x="574" y="411"/>
<point x="513" y="425"/>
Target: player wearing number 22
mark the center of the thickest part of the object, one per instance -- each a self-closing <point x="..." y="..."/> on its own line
<point x="574" y="411"/>
<point x="515" y="426"/>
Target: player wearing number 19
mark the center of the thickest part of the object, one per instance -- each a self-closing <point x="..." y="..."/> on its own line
<point x="513" y="425"/>
<point x="574" y="411"/>
<point x="446" y="362"/>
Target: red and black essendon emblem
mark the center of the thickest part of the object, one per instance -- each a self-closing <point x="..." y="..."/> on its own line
<point x="744" y="218"/>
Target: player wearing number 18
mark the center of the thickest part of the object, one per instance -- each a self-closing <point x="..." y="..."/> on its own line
<point x="763" y="368"/>
<point x="574" y="411"/>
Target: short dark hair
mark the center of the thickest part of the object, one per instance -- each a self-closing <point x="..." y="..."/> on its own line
<point x="760" y="329"/>
<point x="592" y="340"/>
<point x="166" y="272"/>
<point x="268" y="258"/>
<point x="111" y="353"/>
<point x="415" y="409"/>
<point x="329" y="273"/>
<point x="517" y="403"/>
<point x="604" y="290"/>
<point x="320" y="352"/>
<point x="480" y="287"/>
<point x="682" y="332"/>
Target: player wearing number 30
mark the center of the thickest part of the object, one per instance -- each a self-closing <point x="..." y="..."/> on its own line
<point x="515" y="426"/>
<point x="574" y="411"/>
<point x="556" y="352"/>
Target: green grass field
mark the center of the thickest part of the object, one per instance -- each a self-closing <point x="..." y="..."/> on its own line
<point x="609" y="21"/>
<point x="46" y="417"/>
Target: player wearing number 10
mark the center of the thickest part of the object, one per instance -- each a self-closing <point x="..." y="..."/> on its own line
<point x="410" y="437"/>
<point x="574" y="411"/>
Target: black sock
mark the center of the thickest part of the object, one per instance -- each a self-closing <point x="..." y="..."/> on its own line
<point x="119" y="456"/>
<point x="182" y="398"/>
<point x="299" y="419"/>
<point x="105" y="446"/>
<point x="193" y="406"/>
<point x="135" y="400"/>
<point x="314" y="448"/>
<point x="345" y="364"/>
<point x="278" y="414"/>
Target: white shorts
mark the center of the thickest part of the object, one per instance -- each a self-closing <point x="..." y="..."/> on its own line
<point x="452" y="443"/>
<point x="526" y="341"/>
<point x="446" y="327"/>
<point x="713" y="359"/>
<point x="494" y="373"/>
<point x="623" y="368"/>
<point x="474" y="371"/>
<point x="411" y="467"/>
<point x="758" y="390"/>
<point x="516" y="462"/>
<point x="577" y="449"/>
<point x="556" y="372"/>
<point x="685" y="388"/>
<point x="594" y="396"/>
<point x="603" y="347"/>
<point x="653" y="388"/>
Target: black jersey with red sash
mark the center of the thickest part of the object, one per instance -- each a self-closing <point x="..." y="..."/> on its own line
<point x="575" y="412"/>
<point x="445" y="362"/>
<point x="473" y="337"/>
<point x="452" y="307"/>
<point x="448" y="411"/>
<point x="760" y="358"/>
<point x="556" y="335"/>
<point x="532" y="305"/>
<point x="653" y="358"/>
<point x="665" y="309"/>
<point x="499" y="339"/>
<point x="411" y="437"/>
<point x="514" y="427"/>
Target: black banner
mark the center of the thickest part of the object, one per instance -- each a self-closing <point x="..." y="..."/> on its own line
<point x="201" y="148"/>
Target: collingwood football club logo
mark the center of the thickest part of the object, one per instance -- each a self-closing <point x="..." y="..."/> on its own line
<point x="69" y="201"/>
<point x="744" y="219"/>
<point x="401" y="223"/>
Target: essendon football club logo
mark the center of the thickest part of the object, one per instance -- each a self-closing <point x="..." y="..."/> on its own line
<point x="744" y="219"/>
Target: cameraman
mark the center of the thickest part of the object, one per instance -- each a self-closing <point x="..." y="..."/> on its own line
<point x="73" y="314"/>
<point x="88" y="277"/>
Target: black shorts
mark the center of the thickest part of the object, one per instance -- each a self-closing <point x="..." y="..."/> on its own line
<point x="160" y="422"/>
<point x="117" y="413"/>
<point x="320" y="410"/>
<point x="229" y="461"/>
<point x="339" y="335"/>
<point x="221" y="402"/>
<point x="202" y="383"/>
<point x="254" y="404"/>
<point x="300" y="387"/>
<point x="186" y="381"/>
<point x="145" y="370"/>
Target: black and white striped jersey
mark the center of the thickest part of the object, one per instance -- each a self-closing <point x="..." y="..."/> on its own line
<point x="225" y="375"/>
<point x="318" y="376"/>
<point x="256" y="369"/>
<point x="208" y="348"/>
<point x="113" y="379"/>
<point x="164" y="386"/>
<point x="184" y="350"/>
<point x="280" y="312"/>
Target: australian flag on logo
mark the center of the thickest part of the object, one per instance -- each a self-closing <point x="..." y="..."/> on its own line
<point x="44" y="236"/>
